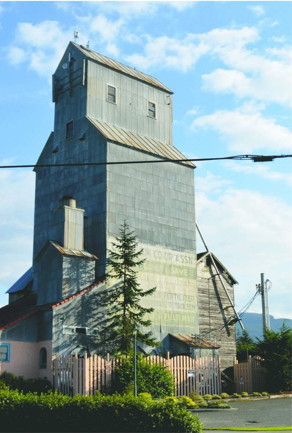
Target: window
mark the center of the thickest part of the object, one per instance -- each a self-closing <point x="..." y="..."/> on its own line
<point x="4" y="352"/>
<point x="152" y="110"/>
<point x="69" y="129"/>
<point x="111" y="94"/>
<point x="43" y="358"/>
<point x="81" y="331"/>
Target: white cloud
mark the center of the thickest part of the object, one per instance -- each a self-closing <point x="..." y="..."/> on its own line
<point x="16" y="223"/>
<point x="263" y="171"/>
<point x="211" y="183"/>
<point x="248" y="233"/>
<point x="107" y="29"/>
<point x="257" y="9"/>
<point x="16" y="55"/>
<point x="281" y="39"/>
<point x="181" y="5"/>
<point x="245" y="132"/>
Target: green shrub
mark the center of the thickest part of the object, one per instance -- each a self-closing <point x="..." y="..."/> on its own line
<point x="195" y="397"/>
<point x="216" y="397"/>
<point x="224" y="395"/>
<point x="145" y="395"/>
<point x="235" y="395"/>
<point x="25" y="385"/>
<point x="244" y="394"/>
<point x="265" y="394"/>
<point x="207" y="397"/>
<point x="53" y="412"/>
<point x="218" y="405"/>
<point x="203" y="403"/>
<point x="187" y="402"/>
<point x="152" y="378"/>
<point x="174" y="399"/>
<point x="256" y="394"/>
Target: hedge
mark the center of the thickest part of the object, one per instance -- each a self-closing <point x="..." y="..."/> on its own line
<point x="53" y="412"/>
<point x="25" y="385"/>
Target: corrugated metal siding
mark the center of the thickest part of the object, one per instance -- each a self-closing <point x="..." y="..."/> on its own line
<point x="119" y="135"/>
<point x="120" y="67"/>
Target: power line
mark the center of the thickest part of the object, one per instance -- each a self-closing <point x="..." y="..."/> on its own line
<point x="254" y="158"/>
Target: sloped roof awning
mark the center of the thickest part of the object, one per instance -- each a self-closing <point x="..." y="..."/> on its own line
<point x="196" y="341"/>
<point x="146" y="144"/>
<point x="22" y="282"/>
<point x="17" y="311"/>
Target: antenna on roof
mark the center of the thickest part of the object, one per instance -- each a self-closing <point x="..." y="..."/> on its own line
<point x="75" y="36"/>
<point x="87" y="45"/>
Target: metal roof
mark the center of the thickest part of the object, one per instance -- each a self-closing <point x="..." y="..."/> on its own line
<point x="155" y="147"/>
<point x="22" y="283"/>
<point x="196" y="341"/>
<point x="121" y="67"/>
<point x="69" y="252"/>
<point x="18" y="310"/>
<point x="206" y="254"/>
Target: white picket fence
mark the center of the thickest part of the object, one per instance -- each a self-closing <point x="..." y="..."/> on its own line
<point x="73" y="375"/>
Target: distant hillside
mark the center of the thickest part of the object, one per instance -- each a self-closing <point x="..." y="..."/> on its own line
<point x="254" y="325"/>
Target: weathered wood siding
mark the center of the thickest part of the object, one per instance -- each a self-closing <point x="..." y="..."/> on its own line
<point x="213" y="314"/>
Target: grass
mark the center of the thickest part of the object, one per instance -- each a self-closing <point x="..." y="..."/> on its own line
<point x="252" y="428"/>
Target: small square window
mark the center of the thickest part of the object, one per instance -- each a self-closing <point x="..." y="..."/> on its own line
<point x="4" y="352"/>
<point x="81" y="331"/>
<point x="111" y="94"/>
<point x="151" y="109"/>
<point x="69" y="129"/>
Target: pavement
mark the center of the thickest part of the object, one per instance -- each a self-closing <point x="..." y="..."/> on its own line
<point x="267" y="413"/>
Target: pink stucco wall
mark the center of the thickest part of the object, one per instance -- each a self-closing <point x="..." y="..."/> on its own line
<point x="24" y="359"/>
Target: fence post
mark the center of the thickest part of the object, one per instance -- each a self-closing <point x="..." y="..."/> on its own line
<point x="55" y="380"/>
<point x="75" y="375"/>
<point x="108" y="372"/>
<point x="85" y="375"/>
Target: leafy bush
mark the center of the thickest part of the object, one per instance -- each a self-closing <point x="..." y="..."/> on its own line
<point x="235" y="395"/>
<point x="154" y="379"/>
<point x="218" y="405"/>
<point x="256" y="394"/>
<point x="145" y="395"/>
<point x="203" y="403"/>
<point x="187" y="402"/>
<point x="207" y="397"/>
<point x="265" y="394"/>
<point x="224" y="395"/>
<point x="53" y="412"/>
<point x="244" y="394"/>
<point x="174" y="399"/>
<point x="25" y="385"/>
<point x="195" y="396"/>
<point x="216" y="397"/>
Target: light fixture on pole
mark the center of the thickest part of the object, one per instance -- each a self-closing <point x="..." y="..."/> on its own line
<point x="135" y="330"/>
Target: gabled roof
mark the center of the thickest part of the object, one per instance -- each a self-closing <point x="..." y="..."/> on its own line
<point x="87" y="289"/>
<point x="66" y="251"/>
<point x="200" y="257"/>
<point x="27" y="306"/>
<point x="18" y="310"/>
<point x="127" y="70"/>
<point x="22" y="282"/>
<point x="195" y="341"/>
<point x="146" y="144"/>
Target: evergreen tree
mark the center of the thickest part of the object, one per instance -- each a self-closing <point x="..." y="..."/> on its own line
<point x="245" y="346"/>
<point x="122" y="301"/>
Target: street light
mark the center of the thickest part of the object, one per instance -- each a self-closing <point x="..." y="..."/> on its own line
<point x="135" y="330"/>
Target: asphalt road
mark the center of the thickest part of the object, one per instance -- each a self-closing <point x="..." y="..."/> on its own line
<point x="265" y="413"/>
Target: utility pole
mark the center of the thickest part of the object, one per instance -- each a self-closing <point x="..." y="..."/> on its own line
<point x="265" y="303"/>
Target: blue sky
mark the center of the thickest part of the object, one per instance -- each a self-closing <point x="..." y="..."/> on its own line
<point x="229" y="65"/>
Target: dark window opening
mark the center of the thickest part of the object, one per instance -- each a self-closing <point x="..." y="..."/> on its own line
<point x="111" y="94"/>
<point x="80" y="330"/>
<point x="43" y="358"/>
<point x="151" y="110"/>
<point x="69" y="129"/>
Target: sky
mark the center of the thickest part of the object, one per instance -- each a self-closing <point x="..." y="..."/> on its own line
<point x="229" y="66"/>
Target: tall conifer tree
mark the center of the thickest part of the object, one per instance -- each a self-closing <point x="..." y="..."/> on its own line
<point x="123" y="308"/>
